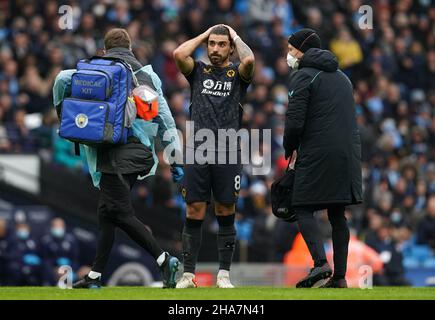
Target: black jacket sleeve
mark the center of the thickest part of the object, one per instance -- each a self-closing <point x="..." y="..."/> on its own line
<point x="298" y="100"/>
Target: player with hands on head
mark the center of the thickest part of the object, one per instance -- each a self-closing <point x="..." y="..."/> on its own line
<point x="217" y="89"/>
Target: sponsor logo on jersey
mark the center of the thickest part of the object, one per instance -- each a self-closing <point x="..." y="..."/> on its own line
<point x="216" y="88"/>
<point x="208" y="84"/>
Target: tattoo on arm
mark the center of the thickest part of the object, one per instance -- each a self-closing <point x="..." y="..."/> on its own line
<point x="246" y="68"/>
<point x="242" y="49"/>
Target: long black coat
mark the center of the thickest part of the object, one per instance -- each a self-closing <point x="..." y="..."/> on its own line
<point x="321" y="125"/>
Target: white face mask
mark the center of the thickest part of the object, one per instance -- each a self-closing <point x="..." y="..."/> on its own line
<point x="292" y="61"/>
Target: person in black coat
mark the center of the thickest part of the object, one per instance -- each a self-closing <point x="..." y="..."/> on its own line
<point x="321" y="135"/>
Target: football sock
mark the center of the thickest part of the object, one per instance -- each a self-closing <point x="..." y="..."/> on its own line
<point x="191" y="239"/>
<point x="161" y="259"/>
<point x="226" y="239"/>
<point x="223" y="273"/>
<point x="340" y="240"/>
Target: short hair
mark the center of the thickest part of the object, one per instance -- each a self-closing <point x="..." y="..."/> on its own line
<point x="117" y="37"/>
<point x="222" y="30"/>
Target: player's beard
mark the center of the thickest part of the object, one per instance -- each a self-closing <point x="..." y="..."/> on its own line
<point x="217" y="59"/>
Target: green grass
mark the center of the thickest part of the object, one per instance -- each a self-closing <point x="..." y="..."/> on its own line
<point x="244" y="293"/>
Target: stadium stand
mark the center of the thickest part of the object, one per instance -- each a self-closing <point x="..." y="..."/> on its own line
<point x="391" y="66"/>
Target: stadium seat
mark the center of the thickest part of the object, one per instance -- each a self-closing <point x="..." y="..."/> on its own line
<point x="421" y="253"/>
<point x="411" y="263"/>
<point x="429" y="263"/>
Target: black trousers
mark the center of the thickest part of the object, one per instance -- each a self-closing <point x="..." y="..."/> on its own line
<point x="340" y="236"/>
<point x="115" y="209"/>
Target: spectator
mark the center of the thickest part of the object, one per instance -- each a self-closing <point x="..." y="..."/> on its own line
<point x="3" y="245"/>
<point x="426" y="228"/>
<point x="261" y="10"/>
<point x="391" y="256"/>
<point x="58" y="248"/>
<point x="18" y="134"/>
<point x="256" y="202"/>
<point x="263" y="247"/>
<point x="24" y="265"/>
<point x="347" y="50"/>
<point x="5" y="144"/>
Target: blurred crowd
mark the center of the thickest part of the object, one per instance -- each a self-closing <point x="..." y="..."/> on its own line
<point x="28" y="258"/>
<point x="392" y="68"/>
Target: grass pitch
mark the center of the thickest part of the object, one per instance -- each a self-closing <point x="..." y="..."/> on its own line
<point x="244" y="293"/>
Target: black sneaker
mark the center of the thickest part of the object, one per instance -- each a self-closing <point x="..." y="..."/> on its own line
<point x="316" y="274"/>
<point x="169" y="269"/>
<point x="88" y="283"/>
<point x="335" y="283"/>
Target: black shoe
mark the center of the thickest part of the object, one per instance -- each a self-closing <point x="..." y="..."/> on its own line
<point x="88" y="283"/>
<point x="335" y="283"/>
<point x="316" y="274"/>
<point x="169" y="269"/>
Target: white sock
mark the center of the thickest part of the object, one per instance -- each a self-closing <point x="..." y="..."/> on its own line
<point x="94" y="275"/>
<point x="161" y="259"/>
<point x="223" y="273"/>
<point x="189" y="274"/>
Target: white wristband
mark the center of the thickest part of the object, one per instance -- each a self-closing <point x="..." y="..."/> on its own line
<point x="235" y="38"/>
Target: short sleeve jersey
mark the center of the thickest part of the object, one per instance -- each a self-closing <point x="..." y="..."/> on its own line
<point x="216" y="95"/>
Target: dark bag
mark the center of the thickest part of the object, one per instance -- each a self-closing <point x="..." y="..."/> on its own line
<point x="281" y="196"/>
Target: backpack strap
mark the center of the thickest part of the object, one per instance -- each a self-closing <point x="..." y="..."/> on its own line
<point x="136" y="83"/>
<point x="77" y="148"/>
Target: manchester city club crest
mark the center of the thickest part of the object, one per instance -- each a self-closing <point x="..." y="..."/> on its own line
<point x="81" y="120"/>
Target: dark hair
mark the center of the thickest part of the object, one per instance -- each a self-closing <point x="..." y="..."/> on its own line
<point x="221" y="30"/>
<point x="117" y="37"/>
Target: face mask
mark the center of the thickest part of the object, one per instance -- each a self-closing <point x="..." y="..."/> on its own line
<point x="292" y="61"/>
<point x="396" y="217"/>
<point x="57" y="232"/>
<point x="281" y="98"/>
<point x="22" y="234"/>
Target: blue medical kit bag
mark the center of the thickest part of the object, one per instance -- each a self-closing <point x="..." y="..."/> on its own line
<point x="99" y="110"/>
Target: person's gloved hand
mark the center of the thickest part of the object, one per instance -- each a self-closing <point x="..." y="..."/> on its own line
<point x="31" y="259"/>
<point x="177" y="173"/>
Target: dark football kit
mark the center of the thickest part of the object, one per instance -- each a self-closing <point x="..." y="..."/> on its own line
<point x="216" y="93"/>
